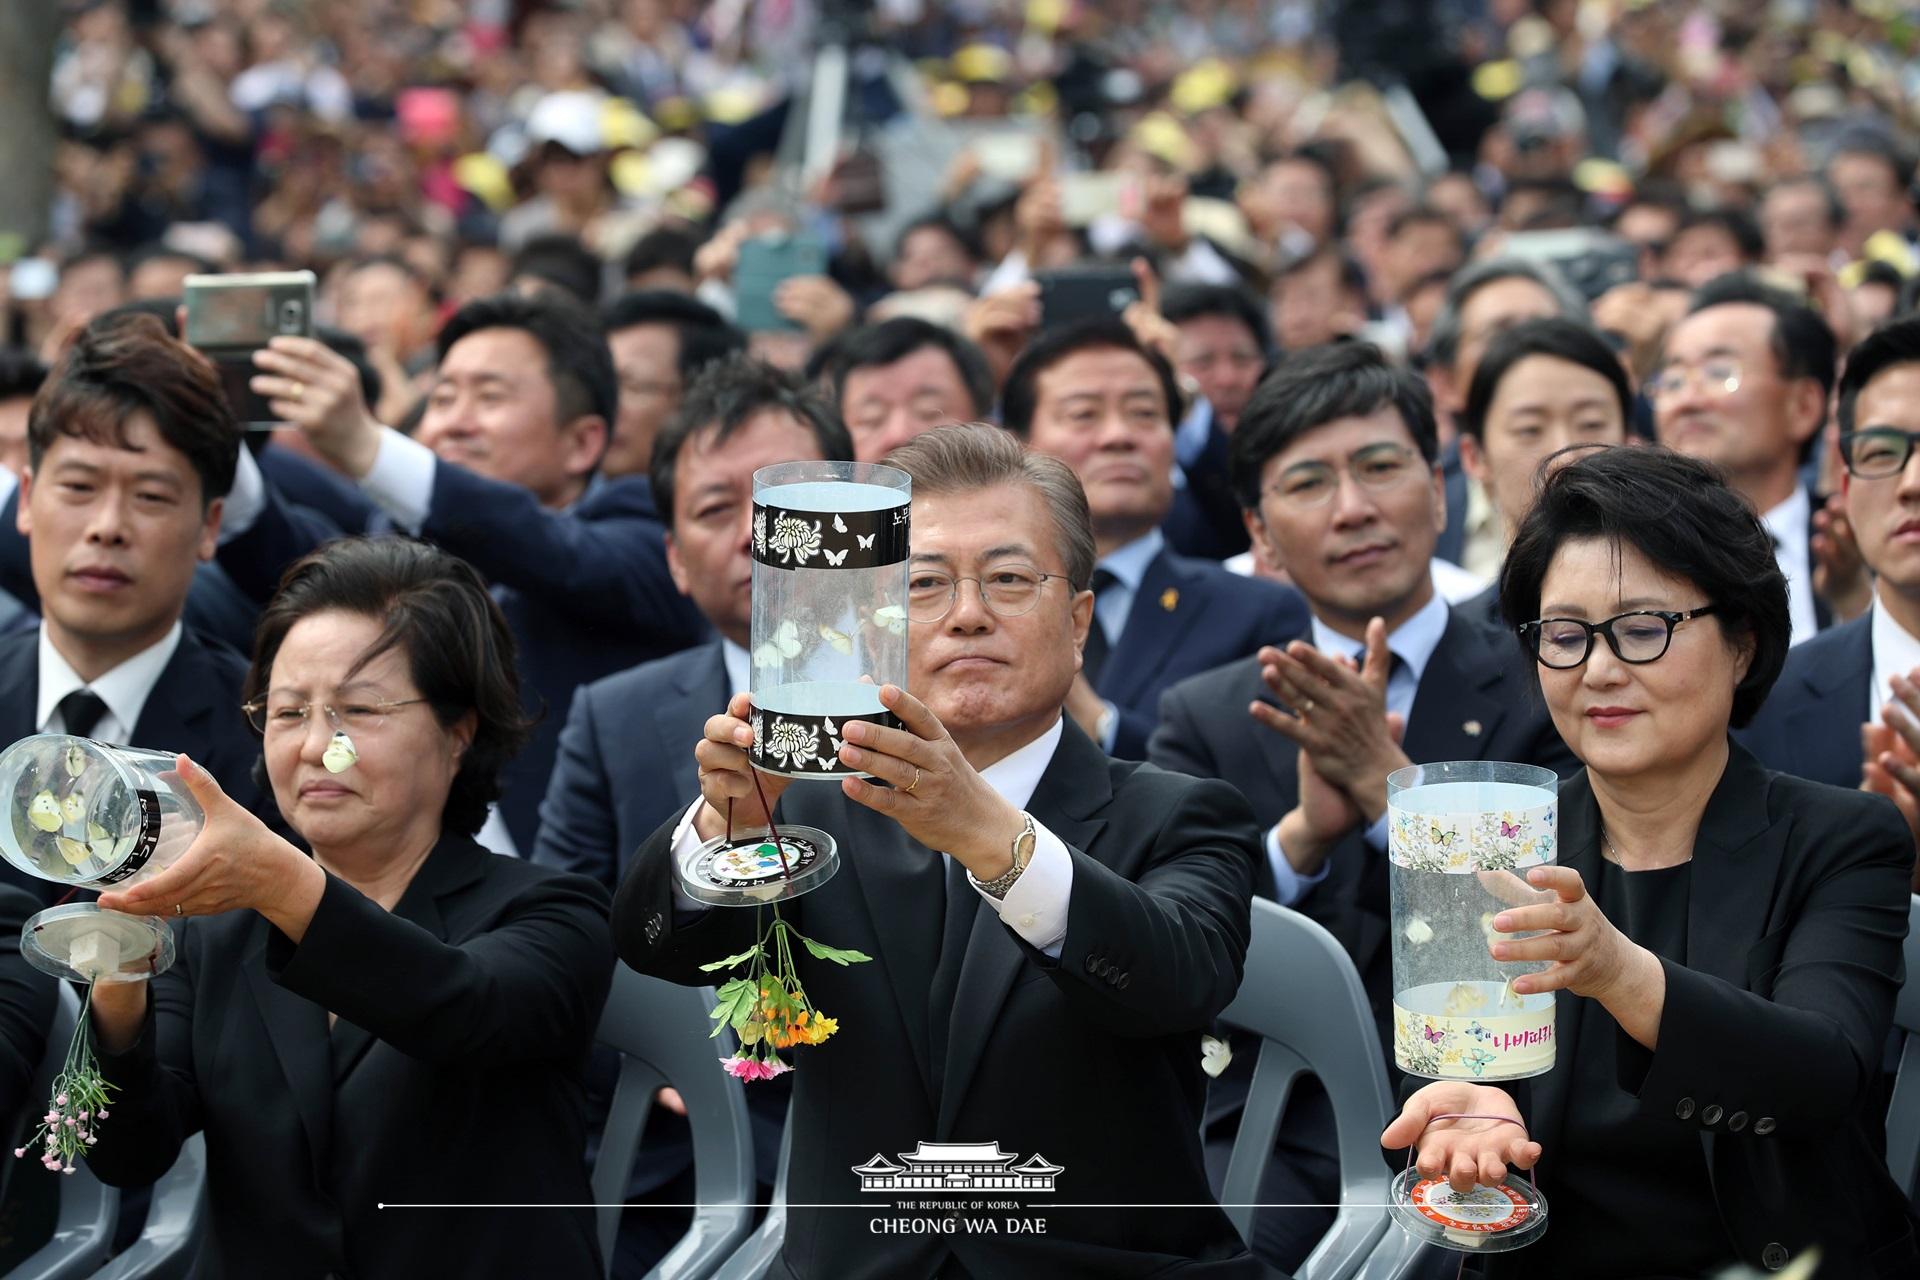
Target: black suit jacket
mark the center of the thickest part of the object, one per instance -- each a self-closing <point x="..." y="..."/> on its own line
<point x="1091" y="1060"/>
<point x="451" y="1077"/>
<point x="26" y="1007"/>
<point x="1477" y="700"/>
<point x="194" y="707"/>
<point x="1810" y="723"/>
<point x="1771" y="1035"/>
<point x="1205" y="521"/>
<point x="1187" y="617"/>
<point x="586" y="592"/>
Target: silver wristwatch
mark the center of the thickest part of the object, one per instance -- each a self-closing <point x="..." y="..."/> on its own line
<point x="1022" y="854"/>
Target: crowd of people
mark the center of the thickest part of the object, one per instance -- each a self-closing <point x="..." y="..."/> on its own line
<point x="1290" y="393"/>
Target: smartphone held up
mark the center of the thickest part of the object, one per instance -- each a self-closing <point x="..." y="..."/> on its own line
<point x="229" y="317"/>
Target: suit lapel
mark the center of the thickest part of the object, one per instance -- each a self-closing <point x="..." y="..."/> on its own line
<point x="297" y="1029"/>
<point x="1456" y="709"/>
<point x="1160" y="616"/>
<point x="181" y="700"/>
<point x="1074" y="788"/>
<point x="455" y="863"/>
<point x="1736" y="861"/>
<point x="20" y="682"/>
<point x="1579" y="849"/>
<point x="891" y="883"/>
<point x="1826" y="727"/>
<point x="702" y="692"/>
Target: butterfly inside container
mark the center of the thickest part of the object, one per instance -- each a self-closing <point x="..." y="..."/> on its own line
<point x="783" y="645"/>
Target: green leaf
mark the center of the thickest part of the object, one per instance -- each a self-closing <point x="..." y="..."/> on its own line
<point x="734" y="1003"/>
<point x="821" y="951"/>
<point x="731" y="961"/>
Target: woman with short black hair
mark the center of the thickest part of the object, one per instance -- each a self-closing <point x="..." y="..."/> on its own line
<point x="1731" y="937"/>
<point x="401" y="1018"/>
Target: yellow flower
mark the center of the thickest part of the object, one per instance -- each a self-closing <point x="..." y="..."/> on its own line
<point x="822" y="1028"/>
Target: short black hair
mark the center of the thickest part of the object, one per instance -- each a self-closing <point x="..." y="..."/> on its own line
<point x="1574" y="341"/>
<point x="1894" y="343"/>
<point x="1020" y="397"/>
<point x="579" y="365"/>
<point x="1184" y="302"/>
<point x="1835" y="208"/>
<point x="945" y="225"/>
<point x="123" y="364"/>
<point x="1425" y="215"/>
<point x="435" y="608"/>
<point x="21" y="373"/>
<point x="560" y="260"/>
<point x="1737" y="223"/>
<point x="875" y="345"/>
<point x="667" y="247"/>
<point x="1868" y="141"/>
<point x="722" y="398"/>
<point x="705" y="335"/>
<point x="1802" y="343"/>
<point x="1683" y="516"/>
<point x="1318" y="386"/>
<point x="1443" y="344"/>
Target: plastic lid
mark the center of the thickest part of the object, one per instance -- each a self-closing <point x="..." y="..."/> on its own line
<point x="1492" y="1219"/>
<point x="748" y="871"/>
<point x="79" y="942"/>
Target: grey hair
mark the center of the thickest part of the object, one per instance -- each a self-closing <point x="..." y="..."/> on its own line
<point x="963" y="457"/>
<point x="1444" y="344"/>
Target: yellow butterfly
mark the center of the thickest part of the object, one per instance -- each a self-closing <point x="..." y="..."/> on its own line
<point x="839" y="640"/>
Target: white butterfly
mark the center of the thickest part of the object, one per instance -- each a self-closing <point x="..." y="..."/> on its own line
<point x="892" y="617"/>
<point x="1215" y="1054"/>
<point x="838" y="639"/>
<point x="784" y="644"/>
<point x="835" y="557"/>
<point x="866" y="540"/>
<point x="839" y="525"/>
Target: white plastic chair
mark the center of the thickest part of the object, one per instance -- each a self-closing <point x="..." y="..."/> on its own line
<point x="660" y="1030"/>
<point x="169" y="1243"/>
<point x="755" y="1258"/>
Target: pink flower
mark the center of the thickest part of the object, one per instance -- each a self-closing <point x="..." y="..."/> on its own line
<point x="19" y="1152"/>
<point x="83" y="1115"/>
<point x="60" y="1101"/>
<point x="753" y="1068"/>
<point x="103" y="1113"/>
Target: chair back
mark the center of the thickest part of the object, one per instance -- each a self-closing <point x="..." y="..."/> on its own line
<point x="754" y="1259"/>
<point x="88" y="1208"/>
<point x="1903" y="1108"/>
<point x="1302" y="996"/>
<point x="661" y="1033"/>
<point x="169" y="1243"/>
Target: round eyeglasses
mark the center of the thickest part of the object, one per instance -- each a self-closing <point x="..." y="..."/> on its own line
<point x="1008" y="590"/>
<point x="1378" y="467"/>
<point x="270" y="716"/>
<point x="1875" y="453"/>
<point x="1637" y="637"/>
<point x="1718" y="375"/>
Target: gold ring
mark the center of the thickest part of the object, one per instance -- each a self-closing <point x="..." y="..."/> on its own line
<point x="177" y="910"/>
<point x="1306" y="708"/>
<point x="916" y="781"/>
<point x="298" y="391"/>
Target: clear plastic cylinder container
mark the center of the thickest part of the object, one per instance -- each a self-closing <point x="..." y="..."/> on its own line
<point x="1461" y="838"/>
<point x="829" y="608"/>
<point x="88" y="815"/>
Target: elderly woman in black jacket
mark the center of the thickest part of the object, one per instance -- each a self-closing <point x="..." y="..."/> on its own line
<point x="401" y="1018"/>
<point x="1730" y="938"/>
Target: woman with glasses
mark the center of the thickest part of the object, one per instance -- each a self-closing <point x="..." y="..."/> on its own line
<point x="401" y="1017"/>
<point x="1730" y="938"/>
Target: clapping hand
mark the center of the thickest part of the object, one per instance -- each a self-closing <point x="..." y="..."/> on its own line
<point x="1339" y="715"/>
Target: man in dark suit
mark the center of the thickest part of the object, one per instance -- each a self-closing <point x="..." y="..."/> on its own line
<point x="1744" y="384"/>
<point x="1836" y="700"/>
<point x="1083" y="909"/>
<point x="1094" y="397"/>
<point x="1334" y="459"/>
<point x="623" y="766"/>
<point x="900" y="377"/>
<point x="501" y="474"/>
<point x="131" y="452"/>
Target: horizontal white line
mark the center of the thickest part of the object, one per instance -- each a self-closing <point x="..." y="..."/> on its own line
<point x="873" y="1206"/>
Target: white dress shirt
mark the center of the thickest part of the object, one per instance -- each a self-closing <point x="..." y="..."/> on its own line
<point x="1792" y="551"/>
<point x="1036" y="906"/>
<point x="1896" y="652"/>
<point x="1413" y="642"/>
<point x="124" y="689"/>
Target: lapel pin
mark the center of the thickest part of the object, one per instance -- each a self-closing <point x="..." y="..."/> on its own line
<point x="1170" y="599"/>
<point x="1472" y="728"/>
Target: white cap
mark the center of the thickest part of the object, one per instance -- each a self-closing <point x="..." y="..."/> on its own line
<point x="572" y="119"/>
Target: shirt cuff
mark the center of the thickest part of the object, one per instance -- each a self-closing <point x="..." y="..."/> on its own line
<point x="1377" y="833"/>
<point x="686" y="838"/>
<point x="245" y="500"/>
<point x="1110" y="728"/>
<point x="1190" y="437"/>
<point x="1289" y="886"/>
<point x="1036" y="906"/>
<point x="400" y="481"/>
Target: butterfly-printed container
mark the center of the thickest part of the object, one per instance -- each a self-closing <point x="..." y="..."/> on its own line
<point x="829" y="608"/>
<point x="88" y="815"/>
<point x="1461" y="837"/>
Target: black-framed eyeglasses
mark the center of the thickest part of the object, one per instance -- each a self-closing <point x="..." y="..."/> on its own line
<point x="1640" y="636"/>
<point x="1874" y="453"/>
<point x="269" y="716"/>
<point x="1008" y="590"/>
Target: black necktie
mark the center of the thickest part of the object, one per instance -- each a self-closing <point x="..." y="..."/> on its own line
<point x="1093" y="659"/>
<point x="963" y="903"/>
<point x="80" y="711"/>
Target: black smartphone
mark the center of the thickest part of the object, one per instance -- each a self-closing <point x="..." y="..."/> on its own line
<point x="1073" y="294"/>
<point x="229" y="317"/>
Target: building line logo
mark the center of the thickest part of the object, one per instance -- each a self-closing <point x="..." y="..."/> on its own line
<point x="958" y="1167"/>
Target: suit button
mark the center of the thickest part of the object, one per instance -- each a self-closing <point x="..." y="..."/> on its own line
<point x="1763" y="1126"/>
<point x="1711" y="1116"/>
<point x="1093" y="963"/>
<point x="1124" y="979"/>
<point x="1028" y="920"/>
<point x="1774" y="1256"/>
<point x="1736" y="1122"/>
<point x="1684" y="1109"/>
